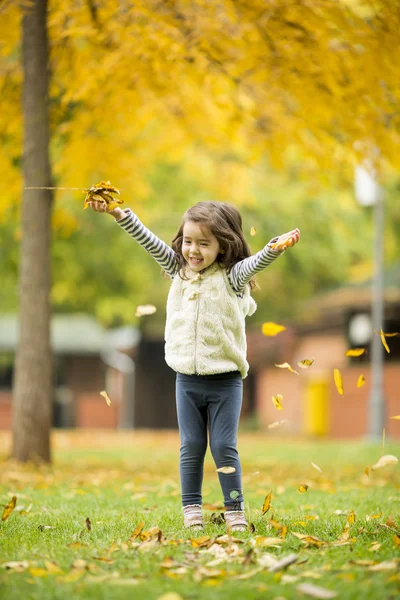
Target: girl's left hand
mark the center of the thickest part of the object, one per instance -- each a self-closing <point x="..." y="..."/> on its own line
<point x="286" y="240"/>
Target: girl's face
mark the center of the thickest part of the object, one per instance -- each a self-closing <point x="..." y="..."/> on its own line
<point x="200" y="247"/>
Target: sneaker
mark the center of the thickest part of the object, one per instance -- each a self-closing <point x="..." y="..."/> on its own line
<point x="192" y="516"/>
<point x="235" y="520"/>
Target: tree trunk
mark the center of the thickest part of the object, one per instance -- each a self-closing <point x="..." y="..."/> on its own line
<point x="33" y="393"/>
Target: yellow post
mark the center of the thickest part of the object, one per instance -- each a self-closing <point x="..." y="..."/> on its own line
<point x="316" y="407"/>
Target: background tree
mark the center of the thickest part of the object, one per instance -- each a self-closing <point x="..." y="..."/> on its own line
<point x="33" y="394"/>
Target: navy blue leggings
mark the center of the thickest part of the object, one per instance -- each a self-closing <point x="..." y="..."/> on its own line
<point x="210" y="402"/>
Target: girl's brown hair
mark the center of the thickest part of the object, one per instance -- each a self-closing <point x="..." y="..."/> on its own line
<point x="225" y="223"/>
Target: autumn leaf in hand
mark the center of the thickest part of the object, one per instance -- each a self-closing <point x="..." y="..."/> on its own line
<point x="103" y="192"/>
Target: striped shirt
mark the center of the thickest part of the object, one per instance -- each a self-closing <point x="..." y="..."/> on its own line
<point x="238" y="276"/>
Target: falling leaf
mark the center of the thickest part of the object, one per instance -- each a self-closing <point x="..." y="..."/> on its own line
<point x="384" y="342"/>
<point x="286" y="366"/>
<point x="383" y="438"/>
<point x="338" y="381"/>
<point x="315" y="591"/>
<point x="226" y="470"/>
<point x="360" y="381"/>
<point x="305" y="363"/>
<point x="9" y="508"/>
<point x="387" y="459"/>
<point x="355" y="352"/>
<point x="277" y="424"/>
<point x="105" y="395"/>
<point x="316" y="467"/>
<point x="145" y="309"/>
<point x="253" y="231"/>
<point x="351" y="517"/>
<point x="277" y="401"/>
<point x="396" y="417"/>
<point x="303" y="487"/>
<point x="267" y="503"/>
<point x="367" y="470"/>
<point x="270" y="329"/>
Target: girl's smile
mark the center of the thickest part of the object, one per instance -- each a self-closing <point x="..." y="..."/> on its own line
<point x="200" y="247"/>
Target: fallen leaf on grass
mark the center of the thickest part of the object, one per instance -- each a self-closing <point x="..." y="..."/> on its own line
<point x="267" y="503"/>
<point x="9" y="508"/>
<point x="286" y="365"/>
<point x="355" y="352"/>
<point x="106" y="397"/>
<point x="338" y="381"/>
<point x="385" y="565"/>
<point x="360" y="381"/>
<point x="387" y="459"/>
<point x="88" y="524"/>
<point x="145" y="309"/>
<point x="315" y="591"/>
<point x="316" y="467"/>
<point x="310" y="540"/>
<point x="277" y="400"/>
<point x="369" y="517"/>
<point x="285" y="562"/>
<point x="374" y="547"/>
<point x="305" y="363"/>
<point x="270" y="329"/>
<point x="396" y="540"/>
<point x="16" y="565"/>
<point x="351" y="517"/>
<point x="226" y="470"/>
<point x="264" y="541"/>
<point x="277" y="424"/>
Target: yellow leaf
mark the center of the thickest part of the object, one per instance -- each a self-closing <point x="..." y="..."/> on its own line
<point x="383" y="340"/>
<point x="277" y="401"/>
<point x="38" y="572"/>
<point x="316" y="467"/>
<point x="106" y="397"/>
<point x="374" y="547"/>
<point x="268" y="541"/>
<point x="270" y="329"/>
<point x="351" y="517"/>
<point x="303" y="487"/>
<point x="387" y="459"/>
<point x="226" y="470"/>
<point x="367" y="471"/>
<point x="369" y="517"/>
<point x="315" y="591"/>
<point x="145" y="309"/>
<point x="277" y="424"/>
<point x="9" y="508"/>
<point x="360" y="381"/>
<point x="355" y="352"/>
<point x="137" y="531"/>
<point x="305" y="363"/>
<point x="396" y="417"/>
<point x="286" y="366"/>
<point x="253" y="231"/>
<point x="396" y="539"/>
<point x="338" y="381"/>
<point x="267" y="503"/>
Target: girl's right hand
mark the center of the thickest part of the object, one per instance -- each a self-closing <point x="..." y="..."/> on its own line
<point x="97" y="206"/>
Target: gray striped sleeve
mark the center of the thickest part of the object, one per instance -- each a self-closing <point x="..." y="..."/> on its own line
<point x="158" y="249"/>
<point x="243" y="271"/>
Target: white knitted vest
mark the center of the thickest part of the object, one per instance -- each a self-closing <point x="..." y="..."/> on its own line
<point x="205" y="326"/>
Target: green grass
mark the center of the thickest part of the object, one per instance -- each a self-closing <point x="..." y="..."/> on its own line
<point x="118" y="480"/>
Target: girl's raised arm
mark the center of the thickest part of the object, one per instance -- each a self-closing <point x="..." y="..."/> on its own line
<point x="158" y="249"/>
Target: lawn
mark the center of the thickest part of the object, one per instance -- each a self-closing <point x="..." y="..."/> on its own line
<point x="104" y="521"/>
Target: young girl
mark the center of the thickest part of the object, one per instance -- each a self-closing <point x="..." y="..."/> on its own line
<point x="212" y="272"/>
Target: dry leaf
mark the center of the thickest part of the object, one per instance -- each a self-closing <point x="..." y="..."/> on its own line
<point x="286" y="366"/>
<point x="103" y="192"/>
<point x="374" y="547"/>
<point x="396" y="417"/>
<point x="316" y="467"/>
<point x="355" y="352"/>
<point x="265" y="542"/>
<point x="338" y="381"/>
<point x="384" y="342"/>
<point x="267" y="503"/>
<point x="303" y="487"/>
<point x="315" y="591"/>
<point x="386" y="565"/>
<point x="387" y="459"/>
<point x="360" y="381"/>
<point x="283" y="563"/>
<point x="145" y="309"/>
<point x="106" y="397"/>
<point x="17" y="565"/>
<point x="277" y="424"/>
<point x="277" y="400"/>
<point x="396" y="540"/>
<point x="226" y="470"/>
<point x="270" y="329"/>
<point x="253" y="231"/>
<point x="88" y="524"/>
<point x="351" y="517"/>
<point x="305" y="363"/>
<point x="9" y="508"/>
